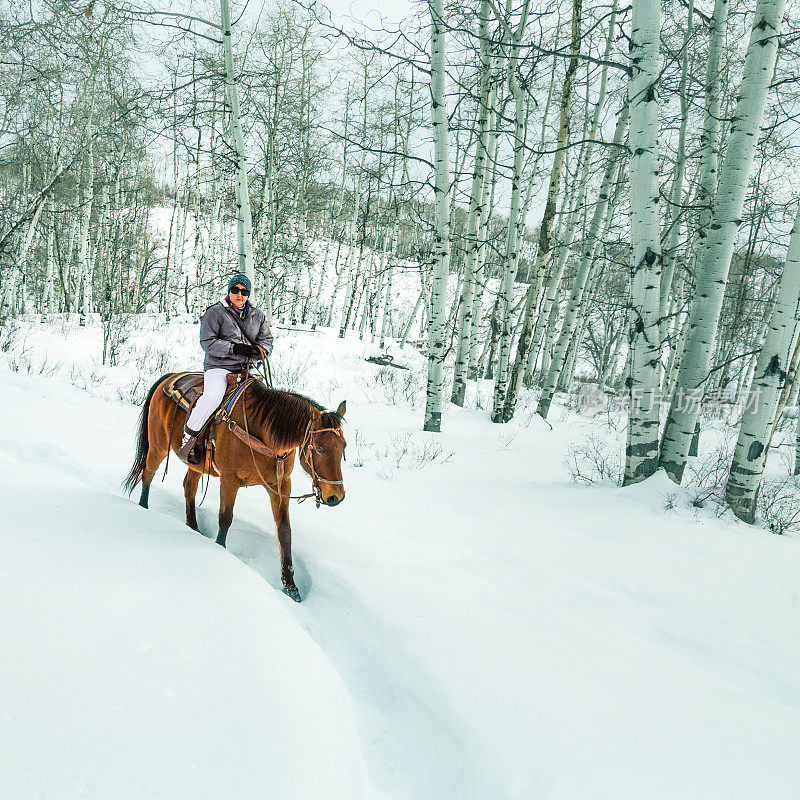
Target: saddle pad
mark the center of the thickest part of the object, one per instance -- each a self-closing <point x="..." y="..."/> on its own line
<point x="185" y="387"/>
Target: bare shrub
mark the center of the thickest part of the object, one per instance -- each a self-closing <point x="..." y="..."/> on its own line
<point x="14" y="345"/>
<point x="399" y="384"/>
<point x="18" y="362"/>
<point x="506" y="439"/>
<point x="778" y="504"/>
<point x="134" y="392"/>
<point x="289" y="374"/>
<point x="670" y="501"/>
<point x="154" y="361"/>
<point x="706" y="475"/>
<point x="357" y="447"/>
<point x="116" y="332"/>
<point x="405" y="453"/>
<point x="86" y="379"/>
<point x="394" y="386"/>
<point x="483" y="396"/>
<point x="10" y="336"/>
<point x="48" y="368"/>
<point x="595" y="460"/>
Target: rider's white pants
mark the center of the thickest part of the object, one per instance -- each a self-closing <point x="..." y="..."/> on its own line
<point x="214" y="384"/>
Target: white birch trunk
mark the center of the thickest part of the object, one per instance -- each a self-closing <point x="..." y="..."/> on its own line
<point x="46" y="307"/>
<point x="473" y="370"/>
<point x="244" y="222"/>
<point x="506" y="294"/>
<point x="752" y="446"/>
<point x="641" y="455"/>
<point x="718" y="244"/>
<point x="466" y="309"/>
<point x="407" y="328"/>
<point x="568" y="327"/>
<point x="351" y="252"/>
<point x="387" y="306"/>
<point x="84" y="276"/>
<point x="441" y="242"/>
<point x="673" y="227"/>
<point x="527" y="339"/>
<point x="545" y="242"/>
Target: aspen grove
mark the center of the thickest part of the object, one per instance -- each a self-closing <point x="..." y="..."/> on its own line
<point x="592" y="199"/>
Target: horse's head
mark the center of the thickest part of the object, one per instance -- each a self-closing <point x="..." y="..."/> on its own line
<point x="321" y="454"/>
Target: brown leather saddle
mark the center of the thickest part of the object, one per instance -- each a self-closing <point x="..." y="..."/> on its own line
<point x="184" y="388"/>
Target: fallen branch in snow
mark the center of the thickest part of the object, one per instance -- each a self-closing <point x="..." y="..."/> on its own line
<point x="294" y="329"/>
<point x="385" y="361"/>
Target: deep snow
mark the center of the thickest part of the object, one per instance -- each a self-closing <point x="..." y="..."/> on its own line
<point x="473" y="627"/>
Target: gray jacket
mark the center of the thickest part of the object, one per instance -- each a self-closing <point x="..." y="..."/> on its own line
<point x="219" y="332"/>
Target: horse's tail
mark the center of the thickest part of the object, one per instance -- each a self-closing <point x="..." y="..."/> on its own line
<point x="142" y="441"/>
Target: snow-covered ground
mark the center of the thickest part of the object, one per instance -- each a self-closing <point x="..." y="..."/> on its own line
<point x="474" y="626"/>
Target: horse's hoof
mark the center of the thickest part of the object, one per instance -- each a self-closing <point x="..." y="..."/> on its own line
<point x="291" y="591"/>
<point x="221" y="542"/>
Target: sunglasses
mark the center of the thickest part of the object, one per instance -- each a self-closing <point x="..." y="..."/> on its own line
<point x="240" y="290"/>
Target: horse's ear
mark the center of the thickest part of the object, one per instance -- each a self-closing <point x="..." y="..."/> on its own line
<point x="342" y="408"/>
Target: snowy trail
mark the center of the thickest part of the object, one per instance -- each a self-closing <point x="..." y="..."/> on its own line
<point x="141" y="662"/>
<point x="409" y="748"/>
<point x="555" y="642"/>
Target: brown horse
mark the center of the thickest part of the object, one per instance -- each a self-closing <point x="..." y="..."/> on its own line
<point x="283" y="421"/>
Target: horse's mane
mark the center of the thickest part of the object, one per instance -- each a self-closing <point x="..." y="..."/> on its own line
<point x="285" y="414"/>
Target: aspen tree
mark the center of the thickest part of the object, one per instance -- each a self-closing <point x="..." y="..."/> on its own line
<point x="244" y="223"/>
<point x="473" y="370"/>
<point x="641" y="455"/>
<point x="545" y="240"/>
<point x="717" y="246"/>
<point x="506" y="292"/>
<point x="772" y="368"/>
<point x="83" y="270"/>
<point x="441" y="241"/>
<point x="527" y="339"/>
<point x="466" y="309"/>
<point x="571" y="316"/>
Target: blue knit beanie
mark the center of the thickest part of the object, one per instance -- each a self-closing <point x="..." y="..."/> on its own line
<point x="242" y="280"/>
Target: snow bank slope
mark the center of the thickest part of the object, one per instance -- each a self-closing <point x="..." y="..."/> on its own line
<point x="143" y="661"/>
<point x="500" y="633"/>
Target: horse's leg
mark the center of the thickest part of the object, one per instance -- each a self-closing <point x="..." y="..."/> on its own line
<point x="190" y="483"/>
<point x="228" y="487"/>
<point x="154" y="459"/>
<point x="280" y="511"/>
<point x="158" y="442"/>
<point x="145" y="495"/>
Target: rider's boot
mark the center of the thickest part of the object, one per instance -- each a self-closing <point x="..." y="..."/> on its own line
<point x="189" y="451"/>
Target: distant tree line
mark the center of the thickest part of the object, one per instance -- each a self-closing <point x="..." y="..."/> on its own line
<point x="605" y="189"/>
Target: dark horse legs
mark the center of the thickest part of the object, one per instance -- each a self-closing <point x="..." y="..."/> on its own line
<point x="147" y="479"/>
<point x="280" y="512"/>
<point x="228" y="487"/>
<point x="190" y="483"/>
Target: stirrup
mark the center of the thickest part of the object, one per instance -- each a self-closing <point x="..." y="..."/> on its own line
<point x="188" y="449"/>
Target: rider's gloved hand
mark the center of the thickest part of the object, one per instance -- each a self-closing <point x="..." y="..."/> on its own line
<point x="247" y="350"/>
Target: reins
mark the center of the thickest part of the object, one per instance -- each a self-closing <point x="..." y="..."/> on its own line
<point x="308" y="445"/>
<point x="255" y="444"/>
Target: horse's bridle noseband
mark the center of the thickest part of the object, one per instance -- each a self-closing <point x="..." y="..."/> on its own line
<point x="307" y="450"/>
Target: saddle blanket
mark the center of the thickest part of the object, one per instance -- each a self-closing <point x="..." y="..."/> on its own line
<point x="185" y="387"/>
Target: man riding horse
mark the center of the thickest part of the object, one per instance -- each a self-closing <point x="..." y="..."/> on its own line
<point x="228" y="332"/>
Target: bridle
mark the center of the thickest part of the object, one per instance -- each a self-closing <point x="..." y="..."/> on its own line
<point x="307" y="451"/>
